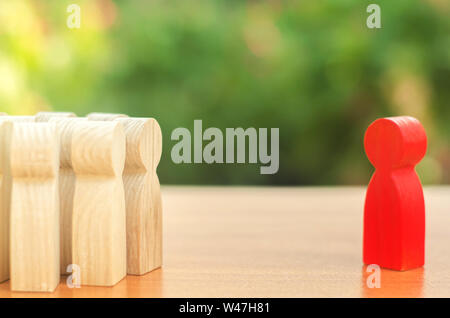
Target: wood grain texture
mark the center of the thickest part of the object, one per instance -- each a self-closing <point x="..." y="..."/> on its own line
<point x="274" y="242"/>
<point x="65" y="127"/>
<point x="5" y="189"/>
<point x="104" y="116"/>
<point x="142" y="194"/>
<point x="5" y="195"/>
<point x="99" y="219"/>
<point x="34" y="158"/>
<point x="46" y="116"/>
<point x="66" y="181"/>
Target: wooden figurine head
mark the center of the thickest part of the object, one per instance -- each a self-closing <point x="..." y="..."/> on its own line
<point x="19" y="119"/>
<point x="104" y="116"/>
<point x="46" y="116"/>
<point x="65" y="128"/>
<point x="34" y="150"/>
<point x="98" y="148"/>
<point x="144" y="143"/>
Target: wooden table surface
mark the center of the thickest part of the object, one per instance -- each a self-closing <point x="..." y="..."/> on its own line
<point x="275" y="242"/>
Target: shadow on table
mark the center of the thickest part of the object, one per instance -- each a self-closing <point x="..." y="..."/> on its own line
<point x="392" y="283"/>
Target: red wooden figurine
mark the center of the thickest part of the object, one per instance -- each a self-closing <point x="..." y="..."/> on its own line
<point x="394" y="212"/>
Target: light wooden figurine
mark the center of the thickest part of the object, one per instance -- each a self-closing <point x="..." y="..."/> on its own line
<point x="66" y="186"/>
<point x="142" y="194"/>
<point x="99" y="221"/>
<point x="104" y="116"/>
<point x="66" y="181"/>
<point x="5" y="189"/>
<point x="46" y="116"/>
<point x="34" y="236"/>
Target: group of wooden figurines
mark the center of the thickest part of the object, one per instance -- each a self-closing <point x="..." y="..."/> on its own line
<point x="78" y="194"/>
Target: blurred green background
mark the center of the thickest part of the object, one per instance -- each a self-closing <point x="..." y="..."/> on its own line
<point x="311" y="68"/>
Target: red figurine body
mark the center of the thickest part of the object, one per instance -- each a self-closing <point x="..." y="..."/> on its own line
<point x="394" y="212"/>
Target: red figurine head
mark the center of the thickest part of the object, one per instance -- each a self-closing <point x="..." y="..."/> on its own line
<point x="395" y="142"/>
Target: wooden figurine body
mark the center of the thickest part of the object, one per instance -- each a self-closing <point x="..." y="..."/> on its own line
<point x="394" y="214"/>
<point x="34" y="216"/>
<point x="5" y="190"/>
<point x="99" y="221"/>
<point x="142" y="194"/>
<point x="66" y="182"/>
<point x="66" y="186"/>
<point x="5" y="198"/>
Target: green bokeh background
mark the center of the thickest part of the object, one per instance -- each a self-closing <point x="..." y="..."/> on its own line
<point x="310" y="68"/>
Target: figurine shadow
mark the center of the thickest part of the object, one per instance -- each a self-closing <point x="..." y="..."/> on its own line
<point x="392" y="284"/>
